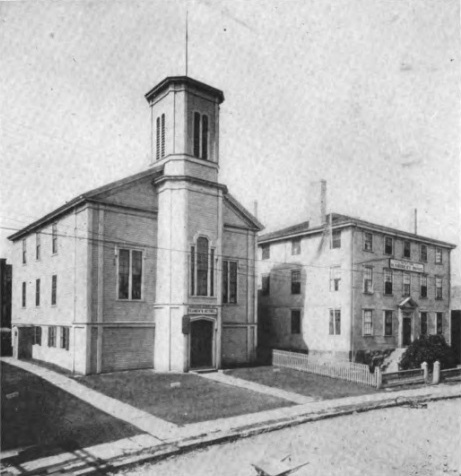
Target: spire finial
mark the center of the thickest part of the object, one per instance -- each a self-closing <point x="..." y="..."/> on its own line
<point x="187" y="37"/>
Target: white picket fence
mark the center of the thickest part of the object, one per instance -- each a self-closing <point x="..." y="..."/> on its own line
<point x="357" y="373"/>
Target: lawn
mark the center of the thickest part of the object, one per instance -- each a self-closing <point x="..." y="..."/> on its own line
<point x="180" y="398"/>
<point x="39" y="419"/>
<point x="304" y="383"/>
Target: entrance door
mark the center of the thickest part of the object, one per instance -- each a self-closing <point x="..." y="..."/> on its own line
<point x="406" y="331"/>
<point x="201" y="344"/>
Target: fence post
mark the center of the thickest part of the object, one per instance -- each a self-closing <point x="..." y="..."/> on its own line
<point x="436" y="373"/>
<point x="424" y="368"/>
<point x="379" y="377"/>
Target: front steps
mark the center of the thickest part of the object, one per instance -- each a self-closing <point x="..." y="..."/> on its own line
<point x="391" y="362"/>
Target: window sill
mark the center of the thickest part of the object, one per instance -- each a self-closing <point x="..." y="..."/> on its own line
<point x="368" y="292"/>
<point x="230" y="303"/>
<point x="129" y="300"/>
<point x="438" y="299"/>
<point x="388" y="294"/>
<point x="390" y="335"/>
<point x="368" y="335"/>
<point x="423" y="297"/>
<point x="367" y="251"/>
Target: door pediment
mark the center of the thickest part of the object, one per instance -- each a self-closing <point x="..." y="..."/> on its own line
<point x="408" y="303"/>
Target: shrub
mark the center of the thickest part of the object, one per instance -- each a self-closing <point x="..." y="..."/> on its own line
<point x="372" y="358"/>
<point x="428" y="349"/>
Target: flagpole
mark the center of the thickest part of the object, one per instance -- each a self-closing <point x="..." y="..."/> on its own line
<point x="187" y="39"/>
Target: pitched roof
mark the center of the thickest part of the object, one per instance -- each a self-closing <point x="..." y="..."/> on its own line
<point x="338" y="220"/>
<point x="243" y="211"/>
<point x="80" y="199"/>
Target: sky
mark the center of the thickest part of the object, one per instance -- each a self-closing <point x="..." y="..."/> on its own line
<point x="362" y="93"/>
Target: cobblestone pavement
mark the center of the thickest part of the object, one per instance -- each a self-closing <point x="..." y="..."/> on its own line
<point x="397" y="441"/>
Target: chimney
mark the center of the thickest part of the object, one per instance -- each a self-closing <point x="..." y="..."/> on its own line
<point x="255" y="208"/>
<point x="416" y="221"/>
<point x="317" y="204"/>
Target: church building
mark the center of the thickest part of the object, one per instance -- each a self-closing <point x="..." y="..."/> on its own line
<point x="156" y="270"/>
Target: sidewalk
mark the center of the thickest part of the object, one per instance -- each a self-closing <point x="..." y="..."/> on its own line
<point x="165" y="439"/>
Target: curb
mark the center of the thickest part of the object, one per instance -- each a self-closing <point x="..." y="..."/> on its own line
<point x="178" y="447"/>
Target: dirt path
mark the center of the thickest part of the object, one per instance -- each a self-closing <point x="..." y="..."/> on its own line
<point x="391" y="442"/>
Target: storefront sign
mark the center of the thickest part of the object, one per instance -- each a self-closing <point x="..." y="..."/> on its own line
<point x="202" y="310"/>
<point x="406" y="266"/>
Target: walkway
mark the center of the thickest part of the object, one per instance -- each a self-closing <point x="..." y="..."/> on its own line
<point x="160" y="429"/>
<point x="166" y="439"/>
<point x="221" y="377"/>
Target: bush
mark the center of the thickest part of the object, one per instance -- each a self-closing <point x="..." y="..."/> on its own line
<point x="372" y="358"/>
<point x="428" y="349"/>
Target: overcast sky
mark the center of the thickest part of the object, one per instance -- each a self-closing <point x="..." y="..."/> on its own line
<point x="362" y="93"/>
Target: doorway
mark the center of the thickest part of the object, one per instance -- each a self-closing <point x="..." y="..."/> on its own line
<point x="201" y="344"/>
<point x="406" y="331"/>
<point x="456" y="334"/>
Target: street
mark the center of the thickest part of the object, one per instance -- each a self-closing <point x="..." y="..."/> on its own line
<point x="390" y="442"/>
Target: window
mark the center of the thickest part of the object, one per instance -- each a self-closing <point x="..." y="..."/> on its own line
<point x="38" y="335"/>
<point x="335" y="322"/>
<point x="438" y="324"/>
<point x="367" y="322"/>
<point x="65" y="338"/>
<point x="202" y="268"/>
<point x="266" y="284"/>
<point x="367" y="279"/>
<point x="335" y="278"/>
<point x="295" y="321"/>
<point x="160" y="135"/>
<point x="24" y="252"/>
<point x="423" y="253"/>
<point x="368" y="241"/>
<point x="388" y="322"/>
<point x="200" y="136"/>
<point x="52" y="336"/>
<point x="406" y="284"/>
<point x="423" y="285"/>
<point x="266" y="251"/>
<point x="336" y="239"/>
<point x="438" y="287"/>
<point x="229" y="275"/>
<point x="54" y="289"/>
<point x="423" y="323"/>
<point x="54" y="238"/>
<point x="296" y="281"/>
<point x="406" y="249"/>
<point x="130" y="274"/>
<point x="387" y="281"/>
<point x="296" y="247"/>
<point x="388" y="245"/>
<point x="37" y="292"/>
<point x="37" y="245"/>
<point x="438" y="255"/>
<point x="24" y="294"/>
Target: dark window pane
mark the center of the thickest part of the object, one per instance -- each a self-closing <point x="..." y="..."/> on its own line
<point x="123" y="274"/>
<point x="163" y="136"/>
<point x="157" y="150"/>
<point x="331" y="323"/>
<point x="197" y="134"/>
<point x="136" y="277"/>
<point x="424" y="323"/>
<point x="439" y="323"/>
<point x="233" y="282"/>
<point x="204" y="137"/>
<point x="388" y="323"/>
<point x="296" y="322"/>
<point x="266" y="284"/>
<point x="225" y="281"/>
<point x="192" y="270"/>
<point x="54" y="284"/>
<point x="202" y="266"/>
<point x="37" y="292"/>
<point x="388" y="245"/>
<point x="336" y="240"/>
<point x="211" y="272"/>
<point x="406" y="249"/>
<point x="338" y="322"/>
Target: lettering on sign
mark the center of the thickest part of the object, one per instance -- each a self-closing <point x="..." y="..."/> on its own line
<point x="202" y="310"/>
<point x="406" y="266"/>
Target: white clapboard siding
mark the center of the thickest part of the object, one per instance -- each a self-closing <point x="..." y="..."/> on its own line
<point x="125" y="348"/>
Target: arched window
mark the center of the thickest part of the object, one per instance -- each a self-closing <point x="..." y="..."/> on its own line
<point x="201" y="136"/>
<point x="202" y="268"/>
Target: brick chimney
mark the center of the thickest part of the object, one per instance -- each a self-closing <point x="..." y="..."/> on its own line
<point x="317" y="204"/>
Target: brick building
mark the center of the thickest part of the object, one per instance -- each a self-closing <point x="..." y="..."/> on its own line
<point x="340" y="286"/>
<point x="154" y="270"/>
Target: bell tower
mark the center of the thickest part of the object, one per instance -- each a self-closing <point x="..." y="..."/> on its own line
<point x="185" y="127"/>
<point x="185" y="150"/>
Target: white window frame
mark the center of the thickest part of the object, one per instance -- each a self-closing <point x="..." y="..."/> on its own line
<point x="211" y="272"/>
<point x="438" y="255"/>
<point x="54" y="238"/>
<point x="296" y="246"/>
<point x="368" y="281"/>
<point x="228" y="277"/>
<point x="335" y="278"/>
<point x="335" y="243"/>
<point x="404" y="284"/>
<point x="384" y="323"/>
<point x="366" y="241"/>
<point x="24" y="251"/>
<point x="438" y="280"/>
<point x="200" y="141"/>
<point x="266" y="251"/>
<point x="332" y="318"/>
<point x="436" y="314"/>
<point x="130" y="274"/>
<point x="388" y="272"/>
<point x="371" y="323"/>
<point x="421" y="278"/>
<point x="38" y="247"/>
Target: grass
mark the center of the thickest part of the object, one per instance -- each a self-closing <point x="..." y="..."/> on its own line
<point x="304" y="383"/>
<point x="180" y="398"/>
<point x="39" y="419"/>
